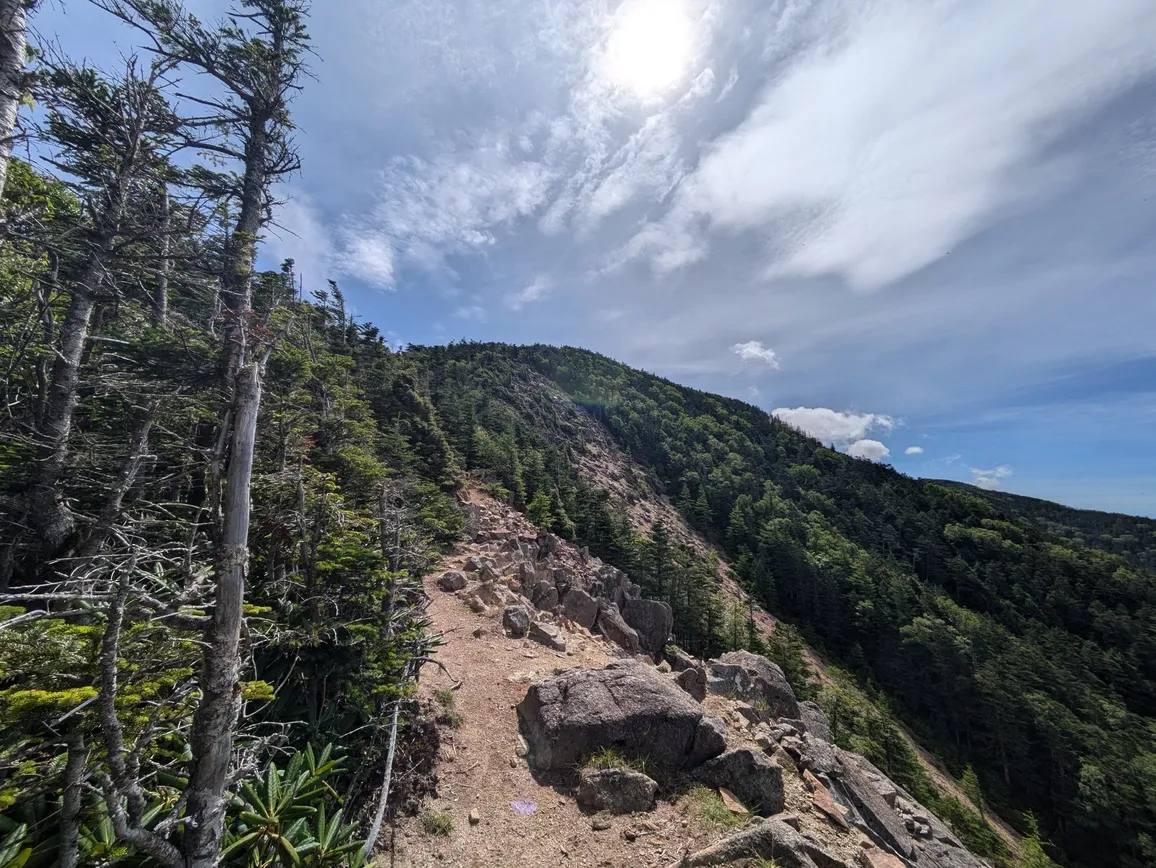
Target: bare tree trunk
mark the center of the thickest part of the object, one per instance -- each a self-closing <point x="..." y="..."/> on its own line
<point x="161" y="291"/>
<point x="379" y="816"/>
<point x="48" y="515"/>
<point x="13" y="24"/>
<point x="237" y="280"/>
<point x="216" y="715"/>
<point x="73" y="787"/>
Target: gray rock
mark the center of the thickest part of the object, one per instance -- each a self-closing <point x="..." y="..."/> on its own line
<point x="626" y="706"/>
<point x="496" y="595"/>
<point x="580" y="608"/>
<point x="815" y="720"/>
<point x="547" y="545"/>
<point x="619" y="791"/>
<point x="527" y="574"/>
<point x="475" y="603"/>
<point x="548" y="635"/>
<point x="611" y="625"/>
<point x="767" y="839"/>
<point x="478" y="562"/>
<point x="545" y="597"/>
<point x="652" y="620"/>
<point x="754" y="677"/>
<point x="822" y="758"/>
<point x="452" y="580"/>
<point x="879" y="781"/>
<point x="516" y="620"/>
<point x="883" y="824"/>
<point x="679" y="659"/>
<point x="750" y="775"/>
<point x="693" y="681"/>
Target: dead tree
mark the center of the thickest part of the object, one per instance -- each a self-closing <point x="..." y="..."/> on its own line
<point x="13" y="41"/>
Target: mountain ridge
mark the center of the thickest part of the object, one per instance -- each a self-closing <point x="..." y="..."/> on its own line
<point x="1002" y="622"/>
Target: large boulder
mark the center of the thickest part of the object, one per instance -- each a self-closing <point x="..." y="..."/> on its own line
<point x="652" y="620"/>
<point x="750" y="775"/>
<point x="626" y="706"/>
<point x="580" y="608"/>
<point x="516" y="620"/>
<point x="619" y="791"/>
<point x="452" y="580"/>
<point x="753" y="677"/>
<point x="611" y="625"/>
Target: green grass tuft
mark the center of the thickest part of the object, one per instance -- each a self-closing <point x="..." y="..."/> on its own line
<point x="709" y="805"/>
<point x="609" y="758"/>
<point x="437" y="823"/>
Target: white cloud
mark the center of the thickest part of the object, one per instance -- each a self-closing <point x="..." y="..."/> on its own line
<point x="370" y="258"/>
<point x="753" y="392"/>
<point x="536" y="290"/>
<point x="913" y="450"/>
<point x="754" y="351"/>
<point x="472" y="311"/>
<point x="903" y="128"/>
<point x="300" y="234"/>
<point x="870" y="450"/>
<point x="454" y="203"/>
<point x="832" y="426"/>
<point x="990" y="479"/>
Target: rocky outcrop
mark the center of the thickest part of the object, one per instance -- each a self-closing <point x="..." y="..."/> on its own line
<point x="626" y="706"/>
<point x="580" y="608"/>
<point x="750" y="775"/>
<point x="611" y="625"/>
<point x="652" y="620"/>
<point x="753" y="678"/>
<point x="881" y="822"/>
<point x="619" y="791"/>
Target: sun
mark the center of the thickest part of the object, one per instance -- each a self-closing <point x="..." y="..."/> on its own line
<point x="649" y="47"/>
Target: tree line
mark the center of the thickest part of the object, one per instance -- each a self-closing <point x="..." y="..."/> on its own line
<point x="216" y="495"/>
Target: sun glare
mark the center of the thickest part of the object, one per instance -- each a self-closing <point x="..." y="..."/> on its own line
<point x="649" y="46"/>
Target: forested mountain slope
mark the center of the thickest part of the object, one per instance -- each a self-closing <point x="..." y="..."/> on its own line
<point x="1130" y="536"/>
<point x="1031" y="659"/>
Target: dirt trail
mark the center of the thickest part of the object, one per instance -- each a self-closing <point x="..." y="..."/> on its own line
<point x="526" y="820"/>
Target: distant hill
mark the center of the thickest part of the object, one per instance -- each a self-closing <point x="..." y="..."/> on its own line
<point x="1132" y="537"/>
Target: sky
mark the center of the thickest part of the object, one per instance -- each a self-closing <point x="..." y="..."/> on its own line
<point x="922" y="230"/>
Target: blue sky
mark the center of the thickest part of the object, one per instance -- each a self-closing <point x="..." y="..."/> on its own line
<point x="923" y="230"/>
